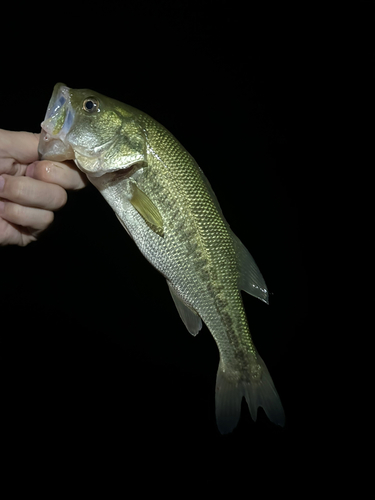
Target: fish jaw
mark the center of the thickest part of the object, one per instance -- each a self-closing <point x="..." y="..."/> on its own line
<point x="56" y="125"/>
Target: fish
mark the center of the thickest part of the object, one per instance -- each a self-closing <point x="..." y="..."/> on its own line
<point x="167" y="206"/>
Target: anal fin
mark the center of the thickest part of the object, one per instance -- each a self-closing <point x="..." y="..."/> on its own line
<point x="190" y="318"/>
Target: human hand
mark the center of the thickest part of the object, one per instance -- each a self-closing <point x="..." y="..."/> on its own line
<point x="30" y="190"/>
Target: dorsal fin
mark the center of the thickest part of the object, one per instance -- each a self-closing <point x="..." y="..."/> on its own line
<point x="251" y="279"/>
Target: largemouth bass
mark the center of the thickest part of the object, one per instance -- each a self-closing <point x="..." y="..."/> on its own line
<point x="166" y="204"/>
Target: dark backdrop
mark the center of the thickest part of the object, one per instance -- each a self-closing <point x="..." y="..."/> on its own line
<point x="96" y="362"/>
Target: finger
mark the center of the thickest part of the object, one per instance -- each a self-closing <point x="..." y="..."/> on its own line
<point x="65" y="174"/>
<point x="32" y="193"/>
<point x="17" y="150"/>
<point x="35" y="218"/>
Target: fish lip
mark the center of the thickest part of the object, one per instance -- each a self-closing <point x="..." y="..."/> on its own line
<point x="56" y="126"/>
<point x="58" y="102"/>
<point x="57" y="150"/>
<point x="54" y="148"/>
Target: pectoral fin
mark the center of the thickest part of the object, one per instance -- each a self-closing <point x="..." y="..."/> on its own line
<point x="251" y="279"/>
<point x="190" y="318"/>
<point x="144" y="206"/>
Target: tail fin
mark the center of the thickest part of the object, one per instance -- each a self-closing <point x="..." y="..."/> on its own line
<point x="258" y="390"/>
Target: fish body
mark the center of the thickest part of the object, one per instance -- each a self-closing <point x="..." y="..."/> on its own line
<point x="166" y="204"/>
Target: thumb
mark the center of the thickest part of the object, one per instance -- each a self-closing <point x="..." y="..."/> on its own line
<point x="66" y="174"/>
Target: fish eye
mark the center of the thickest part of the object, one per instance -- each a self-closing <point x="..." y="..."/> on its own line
<point x="90" y="105"/>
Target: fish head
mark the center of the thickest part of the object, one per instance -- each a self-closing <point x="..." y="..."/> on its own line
<point x="100" y="134"/>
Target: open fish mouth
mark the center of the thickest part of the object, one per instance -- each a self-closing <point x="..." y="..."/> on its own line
<point x="56" y="126"/>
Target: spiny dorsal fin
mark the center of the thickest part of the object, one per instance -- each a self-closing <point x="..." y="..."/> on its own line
<point x="144" y="206"/>
<point x="251" y="279"/>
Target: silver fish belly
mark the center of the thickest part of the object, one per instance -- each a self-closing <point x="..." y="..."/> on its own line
<point x="166" y="204"/>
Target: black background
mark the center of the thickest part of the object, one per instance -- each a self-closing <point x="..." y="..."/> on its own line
<point x="97" y="366"/>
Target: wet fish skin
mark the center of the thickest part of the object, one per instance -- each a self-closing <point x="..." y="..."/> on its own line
<point x="166" y="204"/>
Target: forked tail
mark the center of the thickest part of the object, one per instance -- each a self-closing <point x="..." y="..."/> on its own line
<point x="257" y="388"/>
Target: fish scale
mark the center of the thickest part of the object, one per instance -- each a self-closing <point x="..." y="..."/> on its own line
<point x="215" y="242"/>
<point x="166" y="204"/>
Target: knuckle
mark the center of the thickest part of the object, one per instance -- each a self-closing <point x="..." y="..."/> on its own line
<point x="16" y="188"/>
<point x="14" y="212"/>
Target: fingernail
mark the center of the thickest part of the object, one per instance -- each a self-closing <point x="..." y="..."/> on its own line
<point x="2" y="182"/>
<point x="30" y="170"/>
<point x="58" y="166"/>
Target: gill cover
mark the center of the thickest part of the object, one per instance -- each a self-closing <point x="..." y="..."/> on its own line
<point x="97" y="132"/>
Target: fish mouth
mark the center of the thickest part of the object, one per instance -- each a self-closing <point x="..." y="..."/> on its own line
<point x="56" y="126"/>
